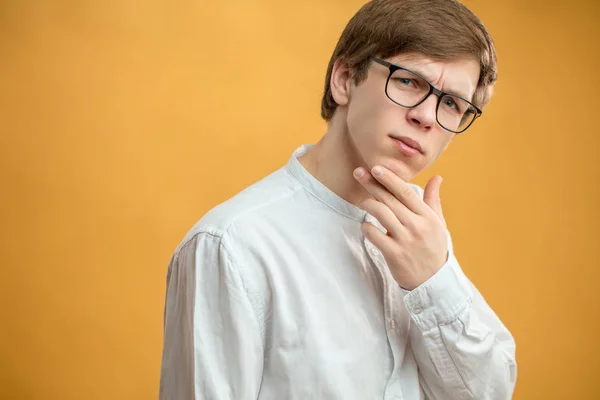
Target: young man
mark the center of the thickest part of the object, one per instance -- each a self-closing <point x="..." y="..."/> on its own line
<point x="333" y="277"/>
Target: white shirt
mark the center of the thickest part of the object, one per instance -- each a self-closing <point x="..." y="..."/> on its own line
<point x="275" y="294"/>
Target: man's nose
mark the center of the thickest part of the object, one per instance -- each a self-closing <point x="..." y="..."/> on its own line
<point x="423" y="116"/>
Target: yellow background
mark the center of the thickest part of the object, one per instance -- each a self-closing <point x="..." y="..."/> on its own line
<point x="123" y="122"/>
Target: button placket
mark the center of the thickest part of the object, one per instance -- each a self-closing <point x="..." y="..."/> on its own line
<point x="393" y="329"/>
<point x="375" y="252"/>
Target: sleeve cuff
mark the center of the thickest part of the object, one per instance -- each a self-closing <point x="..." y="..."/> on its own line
<point x="440" y="299"/>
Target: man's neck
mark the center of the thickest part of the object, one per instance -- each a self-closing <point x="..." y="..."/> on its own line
<point x="333" y="160"/>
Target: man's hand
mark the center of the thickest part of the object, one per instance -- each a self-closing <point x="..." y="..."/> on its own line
<point x="415" y="246"/>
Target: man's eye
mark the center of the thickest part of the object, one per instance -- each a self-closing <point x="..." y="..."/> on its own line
<point x="450" y="102"/>
<point x="406" y="81"/>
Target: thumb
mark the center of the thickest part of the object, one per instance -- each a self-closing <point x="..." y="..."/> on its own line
<point x="431" y="196"/>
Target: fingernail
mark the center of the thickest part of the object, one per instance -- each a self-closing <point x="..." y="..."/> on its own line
<point x="378" y="171"/>
<point x="359" y="172"/>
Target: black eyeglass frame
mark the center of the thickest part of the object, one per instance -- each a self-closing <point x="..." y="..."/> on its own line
<point x="432" y="89"/>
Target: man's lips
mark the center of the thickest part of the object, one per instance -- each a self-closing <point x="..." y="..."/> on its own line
<point x="409" y="142"/>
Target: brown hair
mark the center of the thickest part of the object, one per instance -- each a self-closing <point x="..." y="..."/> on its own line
<point x="443" y="30"/>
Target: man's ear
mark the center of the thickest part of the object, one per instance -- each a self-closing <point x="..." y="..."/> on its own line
<point x="341" y="80"/>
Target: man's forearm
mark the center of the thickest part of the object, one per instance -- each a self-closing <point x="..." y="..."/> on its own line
<point x="462" y="348"/>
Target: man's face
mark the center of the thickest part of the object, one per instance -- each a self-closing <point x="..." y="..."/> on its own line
<point x="373" y="119"/>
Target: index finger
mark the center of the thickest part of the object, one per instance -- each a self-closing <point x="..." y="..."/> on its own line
<point x="400" y="189"/>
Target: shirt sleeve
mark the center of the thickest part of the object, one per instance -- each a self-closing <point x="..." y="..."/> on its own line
<point x="462" y="349"/>
<point x="212" y="342"/>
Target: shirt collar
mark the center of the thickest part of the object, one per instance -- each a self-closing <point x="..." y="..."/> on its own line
<point x="318" y="190"/>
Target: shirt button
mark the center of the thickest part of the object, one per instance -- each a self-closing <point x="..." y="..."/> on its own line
<point x="393" y="324"/>
<point x="374" y="251"/>
<point x="417" y="310"/>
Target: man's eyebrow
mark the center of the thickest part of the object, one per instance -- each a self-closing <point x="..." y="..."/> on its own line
<point x="450" y="90"/>
<point x="459" y="93"/>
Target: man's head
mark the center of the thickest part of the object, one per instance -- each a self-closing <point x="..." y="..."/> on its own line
<point x="440" y="40"/>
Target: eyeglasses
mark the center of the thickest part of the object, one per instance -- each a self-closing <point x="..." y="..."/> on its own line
<point x="409" y="89"/>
